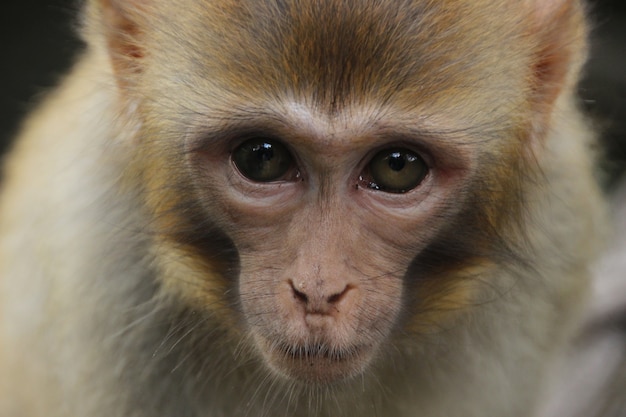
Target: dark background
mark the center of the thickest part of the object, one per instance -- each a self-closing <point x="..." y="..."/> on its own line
<point x="37" y="44"/>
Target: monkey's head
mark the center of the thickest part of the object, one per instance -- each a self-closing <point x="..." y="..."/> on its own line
<point x="326" y="177"/>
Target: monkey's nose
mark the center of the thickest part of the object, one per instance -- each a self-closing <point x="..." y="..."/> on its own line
<point x="320" y="298"/>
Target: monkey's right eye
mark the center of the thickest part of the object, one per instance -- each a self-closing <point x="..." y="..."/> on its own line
<point x="395" y="170"/>
<point x="262" y="159"/>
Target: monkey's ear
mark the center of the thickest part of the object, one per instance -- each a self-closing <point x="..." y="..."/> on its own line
<point x="121" y="23"/>
<point x="561" y="46"/>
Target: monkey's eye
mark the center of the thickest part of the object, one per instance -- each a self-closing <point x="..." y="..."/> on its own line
<point x="396" y="171"/>
<point x="262" y="159"/>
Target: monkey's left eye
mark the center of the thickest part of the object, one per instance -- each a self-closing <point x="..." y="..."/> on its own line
<point x="262" y="160"/>
<point x="395" y="170"/>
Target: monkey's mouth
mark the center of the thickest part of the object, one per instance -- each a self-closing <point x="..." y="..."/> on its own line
<point x="318" y="363"/>
<point x="317" y="352"/>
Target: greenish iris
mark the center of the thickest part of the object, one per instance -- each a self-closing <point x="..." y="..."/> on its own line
<point x="262" y="159"/>
<point x="396" y="170"/>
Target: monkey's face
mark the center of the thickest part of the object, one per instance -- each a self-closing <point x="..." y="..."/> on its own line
<point x="334" y="156"/>
<point x="325" y="214"/>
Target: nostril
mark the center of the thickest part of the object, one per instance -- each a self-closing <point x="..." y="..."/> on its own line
<point x="318" y="301"/>
<point x="298" y="295"/>
<point x="335" y="298"/>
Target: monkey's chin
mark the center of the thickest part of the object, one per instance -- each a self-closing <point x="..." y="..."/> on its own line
<point x="316" y="364"/>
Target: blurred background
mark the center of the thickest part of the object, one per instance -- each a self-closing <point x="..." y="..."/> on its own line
<point x="37" y="44"/>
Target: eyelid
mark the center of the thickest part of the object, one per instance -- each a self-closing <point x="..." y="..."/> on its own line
<point x="420" y="149"/>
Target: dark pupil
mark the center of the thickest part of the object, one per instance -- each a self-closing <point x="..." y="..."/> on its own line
<point x="396" y="161"/>
<point x="264" y="153"/>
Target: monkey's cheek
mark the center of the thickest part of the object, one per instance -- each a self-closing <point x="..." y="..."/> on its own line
<point x="315" y="363"/>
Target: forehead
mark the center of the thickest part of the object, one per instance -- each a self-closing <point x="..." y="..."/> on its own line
<point x="333" y="52"/>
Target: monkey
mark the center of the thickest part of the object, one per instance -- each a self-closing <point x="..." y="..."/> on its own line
<point x="234" y="208"/>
